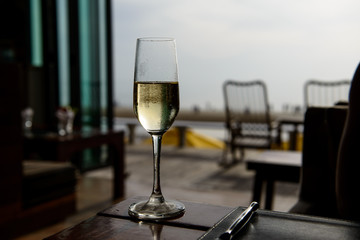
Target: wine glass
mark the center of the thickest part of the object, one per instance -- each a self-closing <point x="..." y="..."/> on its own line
<point x="156" y="104"/>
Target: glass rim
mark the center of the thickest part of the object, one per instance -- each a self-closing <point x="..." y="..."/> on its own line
<point x="156" y="39"/>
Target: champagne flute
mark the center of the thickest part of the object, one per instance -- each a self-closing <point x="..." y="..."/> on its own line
<point x="156" y="104"/>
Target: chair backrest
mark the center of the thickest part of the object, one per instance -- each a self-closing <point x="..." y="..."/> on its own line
<point x="247" y="107"/>
<point x="325" y="93"/>
<point x="323" y="129"/>
<point x="348" y="164"/>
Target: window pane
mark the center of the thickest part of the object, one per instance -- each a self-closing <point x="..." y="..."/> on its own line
<point x="89" y="61"/>
<point x="63" y="53"/>
<point x="103" y="54"/>
<point x="36" y="33"/>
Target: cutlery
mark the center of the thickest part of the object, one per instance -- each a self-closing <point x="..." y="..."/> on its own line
<point x="240" y="222"/>
<point x="231" y="224"/>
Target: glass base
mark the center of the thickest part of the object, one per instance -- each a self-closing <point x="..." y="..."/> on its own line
<point x="146" y="210"/>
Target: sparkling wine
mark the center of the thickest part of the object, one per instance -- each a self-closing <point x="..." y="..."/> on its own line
<point x="156" y="105"/>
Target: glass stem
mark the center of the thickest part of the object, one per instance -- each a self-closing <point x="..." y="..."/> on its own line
<point x="156" y="195"/>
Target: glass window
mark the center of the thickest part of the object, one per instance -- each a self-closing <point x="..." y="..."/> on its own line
<point x="63" y="53"/>
<point x="36" y="33"/>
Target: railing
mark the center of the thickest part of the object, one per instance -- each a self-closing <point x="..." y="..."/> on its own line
<point x="291" y="122"/>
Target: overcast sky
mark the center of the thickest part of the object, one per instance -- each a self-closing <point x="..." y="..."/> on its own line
<point x="282" y="42"/>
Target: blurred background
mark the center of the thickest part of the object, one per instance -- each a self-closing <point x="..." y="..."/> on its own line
<point x="281" y="42"/>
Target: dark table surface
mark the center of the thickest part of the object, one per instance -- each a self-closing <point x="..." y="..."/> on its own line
<point x="271" y="166"/>
<point x="114" y="223"/>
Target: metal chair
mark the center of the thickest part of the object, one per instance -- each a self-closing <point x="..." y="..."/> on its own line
<point x="325" y="93"/>
<point x="248" y="121"/>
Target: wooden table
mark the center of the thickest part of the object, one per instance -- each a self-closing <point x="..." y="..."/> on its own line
<point x="114" y="223"/>
<point x="52" y="146"/>
<point x="271" y="166"/>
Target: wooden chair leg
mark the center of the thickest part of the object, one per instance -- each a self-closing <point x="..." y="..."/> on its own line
<point x="269" y="194"/>
<point x="242" y="154"/>
<point x="223" y="160"/>
<point x="233" y="154"/>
